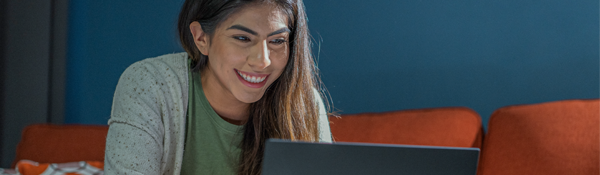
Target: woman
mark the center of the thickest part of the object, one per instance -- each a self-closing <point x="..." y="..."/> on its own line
<point x="247" y="75"/>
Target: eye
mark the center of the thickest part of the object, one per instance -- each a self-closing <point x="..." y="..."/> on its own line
<point x="242" y="38"/>
<point x="278" y="41"/>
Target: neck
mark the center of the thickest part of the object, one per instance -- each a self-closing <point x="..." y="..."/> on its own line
<point x="223" y="101"/>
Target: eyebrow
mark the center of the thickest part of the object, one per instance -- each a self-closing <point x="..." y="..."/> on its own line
<point x="246" y="29"/>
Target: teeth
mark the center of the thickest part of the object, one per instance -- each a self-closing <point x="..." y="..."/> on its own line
<point x="252" y="79"/>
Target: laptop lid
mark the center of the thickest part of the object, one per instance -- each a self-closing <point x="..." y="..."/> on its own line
<point x="286" y="157"/>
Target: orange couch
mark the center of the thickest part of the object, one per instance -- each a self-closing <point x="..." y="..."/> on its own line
<point x="48" y="143"/>
<point x="453" y="126"/>
<point x="559" y="137"/>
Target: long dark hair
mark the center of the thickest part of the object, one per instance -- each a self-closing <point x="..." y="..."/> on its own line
<point x="288" y="109"/>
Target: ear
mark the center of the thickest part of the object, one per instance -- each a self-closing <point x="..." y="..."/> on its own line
<point x="200" y="38"/>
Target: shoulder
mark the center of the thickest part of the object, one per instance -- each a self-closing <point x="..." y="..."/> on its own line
<point x="151" y="83"/>
<point x="319" y="101"/>
<point x="166" y="72"/>
<point x="323" y="122"/>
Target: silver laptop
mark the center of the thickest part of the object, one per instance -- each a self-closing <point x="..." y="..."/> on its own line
<point x="290" y="158"/>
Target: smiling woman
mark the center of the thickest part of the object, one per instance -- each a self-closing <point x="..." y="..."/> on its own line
<point x="247" y="75"/>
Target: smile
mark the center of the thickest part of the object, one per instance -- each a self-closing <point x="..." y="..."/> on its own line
<point x="253" y="80"/>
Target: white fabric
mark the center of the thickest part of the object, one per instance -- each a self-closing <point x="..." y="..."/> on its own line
<point x="147" y="124"/>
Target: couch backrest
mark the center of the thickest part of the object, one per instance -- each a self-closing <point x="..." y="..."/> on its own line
<point x="548" y="138"/>
<point x="48" y="143"/>
<point x="453" y="126"/>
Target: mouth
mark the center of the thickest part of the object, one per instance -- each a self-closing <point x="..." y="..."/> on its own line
<point x="252" y="80"/>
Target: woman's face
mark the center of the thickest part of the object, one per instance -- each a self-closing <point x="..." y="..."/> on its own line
<point x="247" y="53"/>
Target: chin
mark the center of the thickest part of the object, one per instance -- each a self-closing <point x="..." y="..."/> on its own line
<point x="249" y="98"/>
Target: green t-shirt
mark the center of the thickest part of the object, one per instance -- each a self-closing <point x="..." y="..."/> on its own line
<point x="211" y="143"/>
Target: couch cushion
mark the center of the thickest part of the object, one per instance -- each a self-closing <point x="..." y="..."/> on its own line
<point x="453" y="126"/>
<point x="47" y="143"/>
<point x="548" y="138"/>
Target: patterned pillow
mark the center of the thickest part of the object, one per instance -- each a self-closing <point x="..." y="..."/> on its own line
<point x="27" y="167"/>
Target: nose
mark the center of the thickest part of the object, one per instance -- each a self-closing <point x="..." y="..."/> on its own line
<point x="259" y="60"/>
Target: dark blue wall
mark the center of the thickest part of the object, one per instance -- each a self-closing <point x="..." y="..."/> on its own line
<point x="394" y="55"/>
<point x="374" y="56"/>
<point x="105" y="37"/>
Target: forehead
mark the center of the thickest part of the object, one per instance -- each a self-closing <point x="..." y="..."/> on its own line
<point x="263" y="18"/>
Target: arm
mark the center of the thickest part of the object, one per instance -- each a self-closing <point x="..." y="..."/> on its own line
<point x="134" y="144"/>
<point x="130" y="150"/>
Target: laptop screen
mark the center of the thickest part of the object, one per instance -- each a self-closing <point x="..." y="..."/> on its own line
<point x="286" y="157"/>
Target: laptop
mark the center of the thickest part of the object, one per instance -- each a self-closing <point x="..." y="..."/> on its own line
<point x="290" y="158"/>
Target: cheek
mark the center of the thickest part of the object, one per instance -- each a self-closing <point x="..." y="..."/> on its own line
<point x="227" y="57"/>
<point x="279" y="63"/>
<point x="280" y="58"/>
